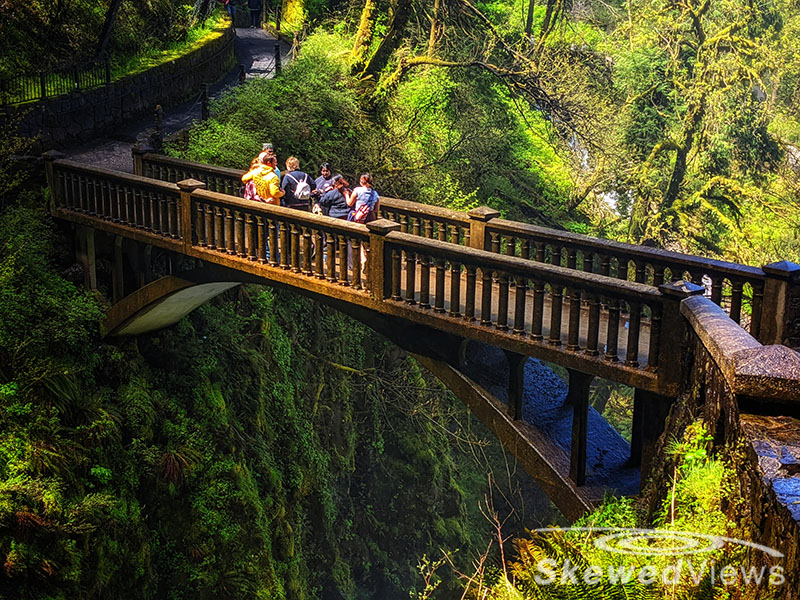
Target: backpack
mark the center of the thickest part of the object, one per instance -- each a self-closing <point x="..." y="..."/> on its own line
<point x="362" y="213"/>
<point x="250" y="192"/>
<point x="302" y="191"/>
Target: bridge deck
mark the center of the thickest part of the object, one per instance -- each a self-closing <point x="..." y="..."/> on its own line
<point x="559" y="299"/>
<point x="608" y="334"/>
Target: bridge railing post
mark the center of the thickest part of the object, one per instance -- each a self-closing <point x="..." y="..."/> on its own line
<point x="379" y="263"/>
<point x="86" y="256"/>
<point x="50" y="175"/>
<point x="187" y="186"/>
<point x="673" y="333"/>
<point x="138" y="152"/>
<point x="478" y="217"/>
<point x="780" y="314"/>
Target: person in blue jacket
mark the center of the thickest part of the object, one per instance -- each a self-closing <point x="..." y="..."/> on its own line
<point x="337" y="202"/>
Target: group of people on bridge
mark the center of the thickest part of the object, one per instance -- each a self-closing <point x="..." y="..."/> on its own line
<point x="328" y="194"/>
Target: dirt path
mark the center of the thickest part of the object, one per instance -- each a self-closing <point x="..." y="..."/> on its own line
<point x="255" y="50"/>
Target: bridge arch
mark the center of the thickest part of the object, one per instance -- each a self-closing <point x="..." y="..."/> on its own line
<point x="433" y="278"/>
<point x="166" y="300"/>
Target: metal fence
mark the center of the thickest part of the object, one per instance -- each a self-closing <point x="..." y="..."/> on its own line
<point x="30" y="87"/>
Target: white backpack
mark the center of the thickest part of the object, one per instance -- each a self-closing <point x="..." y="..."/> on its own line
<point x="302" y="191"/>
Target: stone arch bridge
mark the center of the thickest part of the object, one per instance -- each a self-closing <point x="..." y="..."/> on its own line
<point x="444" y="284"/>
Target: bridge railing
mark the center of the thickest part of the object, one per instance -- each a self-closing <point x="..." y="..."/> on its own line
<point x="431" y="222"/>
<point x="738" y="288"/>
<point x="507" y="294"/>
<point x="28" y="87"/>
<point x="136" y="202"/>
<point x="752" y="296"/>
<point x="303" y="243"/>
<point x="313" y="245"/>
<point x="167" y="168"/>
<point x="552" y="306"/>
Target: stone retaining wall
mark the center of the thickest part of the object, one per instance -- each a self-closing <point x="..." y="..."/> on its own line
<point x="66" y="120"/>
<point x="763" y="449"/>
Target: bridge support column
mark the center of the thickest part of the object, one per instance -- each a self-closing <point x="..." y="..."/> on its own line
<point x="578" y="398"/>
<point x="117" y="272"/>
<point x="142" y="263"/>
<point x="516" y="383"/>
<point x="780" y="315"/>
<point x="478" y="217"/>
<point x="650" y="411"/>
<point x="379" y="260"/>
<point x="86" y="257"/>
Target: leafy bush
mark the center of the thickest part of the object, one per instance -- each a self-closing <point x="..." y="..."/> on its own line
<point x="438" y="138"/>
<point x="46" y="323"/>
<point x="39" y="36"/>
<point x="311" y="111"/>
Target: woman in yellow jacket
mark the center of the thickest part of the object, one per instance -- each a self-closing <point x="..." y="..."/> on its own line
<point x="267" y="183"/>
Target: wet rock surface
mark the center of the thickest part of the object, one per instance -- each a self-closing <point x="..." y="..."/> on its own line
<point x="776" y="441"/>
<point x="544" y="407"/>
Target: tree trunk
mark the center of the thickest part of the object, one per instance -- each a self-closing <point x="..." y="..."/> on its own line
<point x="640" y="214"/>
<point x="550" y="17"/>
<point x="392" y="40"/>
<point x="529" y="22"/>
<point x="434" y="27"/>
<point x="366" y="28"/>
<point x="691" y="124"/>
<point x="108" y="26"/>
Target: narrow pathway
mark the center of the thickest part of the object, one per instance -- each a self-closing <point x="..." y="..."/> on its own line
<point x="255" y="50"/>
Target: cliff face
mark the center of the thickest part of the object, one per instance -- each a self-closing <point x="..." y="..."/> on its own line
<point x="264" y="447"/>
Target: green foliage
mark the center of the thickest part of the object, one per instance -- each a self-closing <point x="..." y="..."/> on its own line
<point x="438" y="138"/>
<point x="184" y="36"/>
<point x="700" y="487"/>
<point x="46" y="323"/>
<point x="41" y="35"/>
<point x="615" y="403"/>
<point x="311" y="112"/>
<point x="700" y="483"/>
<point x="265" y="447"/>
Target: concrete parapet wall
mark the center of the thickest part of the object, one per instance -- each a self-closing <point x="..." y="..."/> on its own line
<point x="66" y="120"/>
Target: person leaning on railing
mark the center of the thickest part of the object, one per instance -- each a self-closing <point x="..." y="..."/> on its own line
<point x="266" y="182"/>
<point x="336" y="202"/>
<point x="367" y="201"/>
